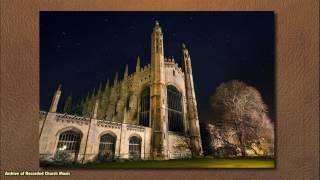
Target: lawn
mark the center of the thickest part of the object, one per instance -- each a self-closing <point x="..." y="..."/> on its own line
<point x="167" y="164"/>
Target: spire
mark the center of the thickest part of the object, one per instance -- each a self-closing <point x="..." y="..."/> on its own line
<point x="95" y="109"/>
<point x="138" y="64"/>
<point x="106" y="93"/>
<point x="115" y="79"/>
<point x="68" y="105"/>
<point x="100" y="90"/>
<point x="107" y="86"/>
<point x="86" y="105"/>
<point x="125" y="72"/>
<point x="88" y="96"/>
<point x="93" y="93"/>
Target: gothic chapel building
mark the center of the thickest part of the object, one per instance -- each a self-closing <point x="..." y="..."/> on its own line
<point x="149" y="114"/>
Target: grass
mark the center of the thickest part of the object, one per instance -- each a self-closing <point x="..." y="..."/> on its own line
<point x="175" y="164"/>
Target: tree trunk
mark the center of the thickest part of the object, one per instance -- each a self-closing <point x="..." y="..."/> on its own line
<point x="241" y="141"/>
<point x="242" y="147"/>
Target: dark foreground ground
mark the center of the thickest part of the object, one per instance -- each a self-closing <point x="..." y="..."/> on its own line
<point x="186" y="163"/>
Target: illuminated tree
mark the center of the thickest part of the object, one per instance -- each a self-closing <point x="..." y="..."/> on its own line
<point x="241" y="107"/>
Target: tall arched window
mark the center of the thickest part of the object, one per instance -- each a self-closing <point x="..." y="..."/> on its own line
<point x="175" y="118"/>
<point x="69" y="141"/>
<point x="107" y="146"/>
<point x="144" y="114"/>
<point x="134" y="147"/>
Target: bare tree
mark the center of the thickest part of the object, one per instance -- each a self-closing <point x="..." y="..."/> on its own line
<point x="241" y="107"/>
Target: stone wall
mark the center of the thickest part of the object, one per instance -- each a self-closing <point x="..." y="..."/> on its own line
<point x="56" y="123"/>
<point x="179" y="146"/>
<point x="126" y="91"/>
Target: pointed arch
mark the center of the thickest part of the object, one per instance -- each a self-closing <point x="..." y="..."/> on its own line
<point x="144" y="110"/>
<point x="68" y="145"/>
<point x="135" y="147"/>
<point x="175" y="108"/>
<point x="107" y="146"/>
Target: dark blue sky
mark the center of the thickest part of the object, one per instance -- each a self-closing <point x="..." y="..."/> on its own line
<point x="80" y="49"/>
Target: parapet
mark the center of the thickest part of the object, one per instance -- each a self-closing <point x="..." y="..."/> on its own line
<point x="71" y="117"/>
<point x="170" y="63"/>
<point x="146" y="68"/>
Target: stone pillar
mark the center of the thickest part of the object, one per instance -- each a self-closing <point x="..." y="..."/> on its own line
<point x="92" y="144"/>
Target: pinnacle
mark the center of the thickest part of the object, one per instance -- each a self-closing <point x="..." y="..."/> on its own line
<point x="59" y="87"/>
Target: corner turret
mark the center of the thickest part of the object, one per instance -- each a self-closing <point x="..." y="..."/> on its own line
<point x="193" y="120"/>
<point x="157" y="94"/>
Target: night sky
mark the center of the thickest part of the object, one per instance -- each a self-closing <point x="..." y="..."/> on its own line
<point x="81" y="49"/>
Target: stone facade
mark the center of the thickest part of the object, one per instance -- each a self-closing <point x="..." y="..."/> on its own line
<point x="168" y="130"/>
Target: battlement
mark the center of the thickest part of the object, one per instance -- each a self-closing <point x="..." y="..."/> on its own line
<point x="146" y="68"/>
<point x="131" y="127"/>
<point x="102" y="123"/>
<point x="169" y="60"/>
<point x="132" y="75"/>
<point x="174" y="65"/>
<point x="109" y="124"/>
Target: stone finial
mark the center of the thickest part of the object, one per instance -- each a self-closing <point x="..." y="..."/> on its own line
<point x="185" y="50"/>
<point x="184" y="46"/>
<point x="157" y="27"/>
<point x="59" y="87"/>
